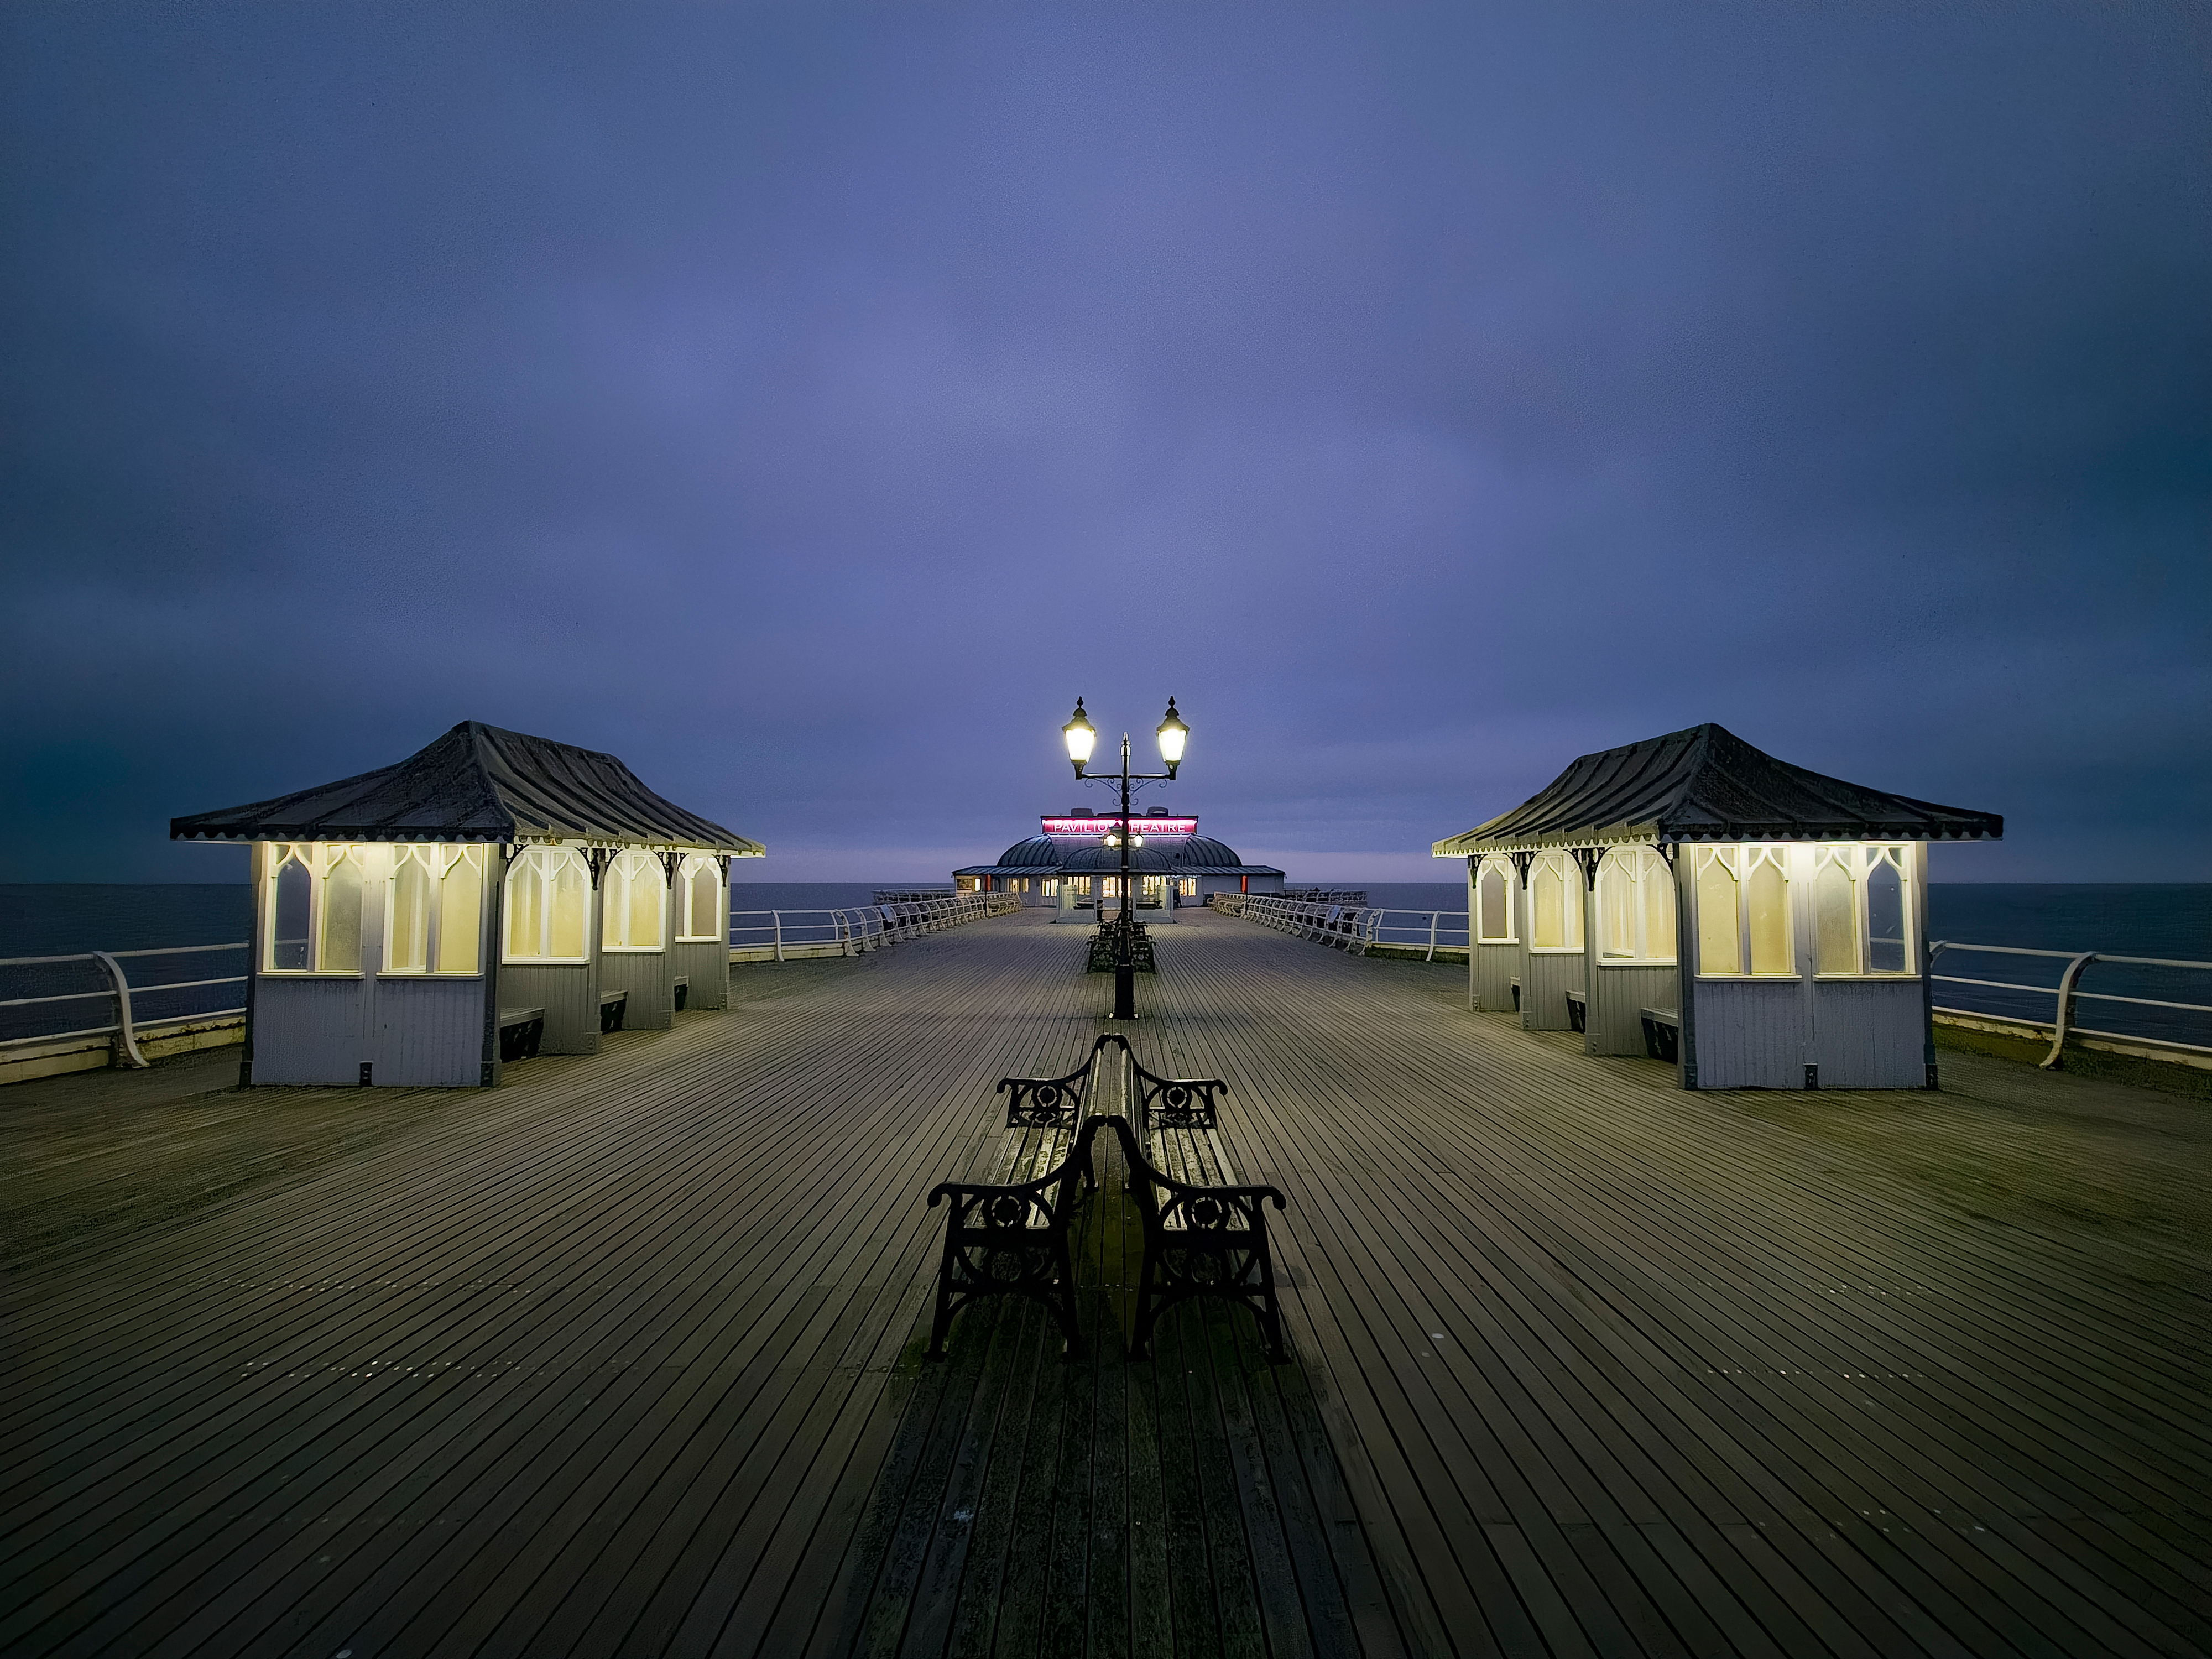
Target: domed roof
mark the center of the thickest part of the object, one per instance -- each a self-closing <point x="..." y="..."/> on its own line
<point x="1204" y="852"/>
<point x="1036" y="850"/>
<point x="1086" y="860"/>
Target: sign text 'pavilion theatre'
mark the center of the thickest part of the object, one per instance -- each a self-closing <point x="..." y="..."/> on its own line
<point x="493" y="895"/>
<point x="1693" y="898"/>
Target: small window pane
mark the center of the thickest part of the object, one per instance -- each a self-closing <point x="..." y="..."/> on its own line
<point x="408" y="939"/>
<point x="1720" y="943"/>
<point x="525" y="909"/>
<point x="571" y="888"/>
<point x="1492" y="889"/>
<point x="341" y="943"/>
<point x="647" y="887"/>
<point x="706" y="899"/>
<point x="460" y="911"/>
<point x="1836" y="921"/>
<point x="1616" y="892"/>
<point x="1656" y="889"/>
<point x="295" y="902"/>
<point x="1547" y="907"/>
<point x="1886" y="940"/>
<point x="1769" y="896"/>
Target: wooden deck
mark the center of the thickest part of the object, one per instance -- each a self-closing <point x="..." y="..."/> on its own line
<point x="624" y="1357"/>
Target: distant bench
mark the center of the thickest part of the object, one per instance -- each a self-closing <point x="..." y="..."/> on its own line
<point x="520" y="1031"/>
<point x="1206" y="1232"/>
<point x="1663" y="1033"/>
<point x="1577" y="1012"/>
<point x="613" y="1005"/>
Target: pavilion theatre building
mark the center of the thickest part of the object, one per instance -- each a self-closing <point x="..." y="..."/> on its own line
<point x="492" y="896"/>
<point x="1068" y="864"/>
<point x="1693" y="899"/>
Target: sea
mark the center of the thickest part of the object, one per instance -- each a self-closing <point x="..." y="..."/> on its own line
<point x="2167" y="920"/>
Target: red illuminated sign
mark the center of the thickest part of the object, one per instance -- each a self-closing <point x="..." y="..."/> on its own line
<point x="1140" y="825"/>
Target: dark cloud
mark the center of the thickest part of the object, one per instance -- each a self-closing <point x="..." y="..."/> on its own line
<point x="807" y="404"/>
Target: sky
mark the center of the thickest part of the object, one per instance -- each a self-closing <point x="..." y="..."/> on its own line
<point x="807" y="403"/>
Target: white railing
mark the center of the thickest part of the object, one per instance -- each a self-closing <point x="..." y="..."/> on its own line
<point x="781" y="935"/>
<point x="1356" y="929"/>
<point x="144" y="1008"/>
<point x="2066" y="996"/>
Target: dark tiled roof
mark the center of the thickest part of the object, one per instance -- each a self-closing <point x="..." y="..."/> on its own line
<point x="476" y="783"/>
<point x="1708" y="784"/>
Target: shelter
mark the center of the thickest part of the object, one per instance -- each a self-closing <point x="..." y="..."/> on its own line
<point x="1798" y="902"/>
<point x="406" y="918"/>
<point x="1053" y="865"/>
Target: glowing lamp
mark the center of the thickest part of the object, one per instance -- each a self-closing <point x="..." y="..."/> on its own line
<point x="1172" y="732"/>
<point x="1081" y="736"/>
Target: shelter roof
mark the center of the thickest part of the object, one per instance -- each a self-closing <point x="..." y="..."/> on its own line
<point x="1087" y="860"/>
<point x="1707" y="784"/>
<point x="1035" y="851"/>
<point x="1204" y="854"/>
<point x="476" y="783"/>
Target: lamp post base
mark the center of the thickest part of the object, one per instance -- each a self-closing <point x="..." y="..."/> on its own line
<point x="1125" y="992"/>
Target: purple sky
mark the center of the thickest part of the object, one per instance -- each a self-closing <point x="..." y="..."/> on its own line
<point x="806" y="403"/>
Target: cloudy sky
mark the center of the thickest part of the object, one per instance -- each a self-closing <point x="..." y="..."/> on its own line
<point x="807" y="403"/>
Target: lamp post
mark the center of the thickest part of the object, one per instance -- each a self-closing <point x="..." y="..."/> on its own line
<point x="1082" y="737"/>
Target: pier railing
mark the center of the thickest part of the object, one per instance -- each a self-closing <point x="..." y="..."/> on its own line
<point x="2160" y="1027"/>
<point x="140" y="999"/>
<point x="793" y="935"/>
<point x="1360" y="929"/>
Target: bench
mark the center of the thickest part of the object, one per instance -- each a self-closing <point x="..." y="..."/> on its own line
<point x="520" y="1031"/>
<point x="1663" y="1034"/>
<point x="1516" y="994"/>
<point x="682" y="991"/>
<point x="1205" y="1228"/>
<point x="1577" y="1012"/>
<point x="1007" y="1234"/>
<point x="612" y="1005"/>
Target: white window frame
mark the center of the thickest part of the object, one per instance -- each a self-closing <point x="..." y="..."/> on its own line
<point x="1743" y="858"/>
<point x="548" y="860"/>
<point x="1636" y="865"/>
<point x="1504" y="867"/>
<point x="317" y="863"/>
<point x="630" y="863"/>
<point x="438" y="858"/>
<point x="1571" y="900"/>
<point x="1859" y="858"/>
<point x="692" y="864"/>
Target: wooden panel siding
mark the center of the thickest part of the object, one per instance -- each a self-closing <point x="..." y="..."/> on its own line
<point x="649" y="976"/>
<point x="1751" y="1034"/>
<point x="1869" y="1033"/>
<point x="624" y="1358"/>
<point x="569" y="995"/>
<point x="708" y="966"/>
<point x="1547" y="976"/>
<point x="429" y="1031"/>
<point x="1493" y="970"/>
<point x="309" y="1029"/>
<point x="1616" y="1023"/>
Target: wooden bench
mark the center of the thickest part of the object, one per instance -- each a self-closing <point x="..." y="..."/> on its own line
<point x="1205" y="1228"/>
<point x="1663" y="1034"/>
<point x="520" y="1031"/>
<point x="1516" y="994"/>
<point x="682" y="991"/>
<point x="613" y="1005"/>
<point x="1007" y="1234"/>
<point x="1577" y="1012"/>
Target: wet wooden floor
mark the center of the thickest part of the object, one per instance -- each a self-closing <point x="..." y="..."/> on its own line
<point x="624" y="1357"/>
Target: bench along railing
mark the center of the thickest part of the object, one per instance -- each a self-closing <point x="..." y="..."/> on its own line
<point x="1206" y="1232"/>
<point x="2160" y="1032"/>
<point x="782" y="935"/>
<point x="1358" y="928"/>
<point x="145" y="993"/>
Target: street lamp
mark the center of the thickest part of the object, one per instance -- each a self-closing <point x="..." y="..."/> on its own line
<point x="1081" y="737"/>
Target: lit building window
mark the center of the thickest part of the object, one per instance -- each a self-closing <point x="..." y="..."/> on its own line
<point x="313" y="909"/>
<point x="1743" y="910"/>
<point x="633" y="894"/>
<point x="1859" y="911"/>
<point x="1555" y="906"/>
<point x="434" y="910"/>
<point x="1494" y="900"/>
<point x="547" y="905"/>
<point x="699" y="882"/>
<point x="1636" y="906"/>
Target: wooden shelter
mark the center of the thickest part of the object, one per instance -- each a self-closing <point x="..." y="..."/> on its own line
<point x="1798" y="902"/>
<point x="492" y="894"/>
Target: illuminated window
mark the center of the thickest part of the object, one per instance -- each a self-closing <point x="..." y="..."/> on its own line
<point x="1888" y="936"/>
<point x="633" y="894"/>
<point x="699" y="884"/>
<point x="313" y="909"/>
<point x="1836" y="914"/>
<point x="1555" y="903"/>
<point x="1052" y="890"/>
<point x="1636" y="906"/>
<point x="1859" y="911"/>
<point x="1720" y="935"/>
<point x="1494" y="900"/>
<point x="434" y="909"/>
<point x="547" y="905"/>
<point x="1188" y="886"/>
<point x="1766" y="895"/>
<point x="1744" y="910"/>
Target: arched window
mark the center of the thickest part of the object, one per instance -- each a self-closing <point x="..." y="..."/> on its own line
<point x="1860" y="915"/>
<point x="1720" y="923"/>
<point x="434" y="914"/>
<point x="313" y="909"/>
<point x="633" y="900"/>
<point x="1636" y="906"/>
<point x="1555" y="903"/>
<point x="1836" y="913"/>
<point x="699" y="881"/>
<point x="1493" y="901"/>
<point x="1766" y="893"/>
<point x="1743" y="910"/>
<point x="1888" y="927"/>
<point x="549" y="906"/>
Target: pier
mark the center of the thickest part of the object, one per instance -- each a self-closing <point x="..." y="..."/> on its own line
<point x="625" y="1356"/>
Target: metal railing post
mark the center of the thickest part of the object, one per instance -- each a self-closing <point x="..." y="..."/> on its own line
<point x="126" y="1040"/>
<point x="2053" y="1061"/>
<point x="778" y="916"/>
<point x="1433" y="916"/>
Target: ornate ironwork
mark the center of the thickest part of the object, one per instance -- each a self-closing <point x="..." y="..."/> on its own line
<point x="1588" y="858"/>
<point x="1049" y="1102"/>
<point x="1009" y="1240"/>
<point x="1106" y="949"/>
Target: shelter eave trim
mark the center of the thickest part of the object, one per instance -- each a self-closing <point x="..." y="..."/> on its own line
<point x="1470" y="845"/>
